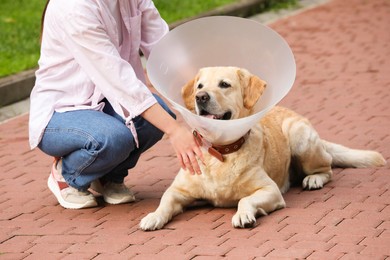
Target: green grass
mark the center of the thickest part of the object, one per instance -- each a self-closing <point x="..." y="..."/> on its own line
<point x="19" y="34"/>
<point x="279" y="4"/>
<point x="20" y="27"/>
<point x="174" y="10"/>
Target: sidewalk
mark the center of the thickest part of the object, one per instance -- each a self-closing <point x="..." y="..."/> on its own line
<point x="342" y="50"/>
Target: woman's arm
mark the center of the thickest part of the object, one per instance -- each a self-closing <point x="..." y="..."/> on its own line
<point x="181" y="138"/>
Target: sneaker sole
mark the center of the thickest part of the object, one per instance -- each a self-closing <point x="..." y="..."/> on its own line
<point x="51" y="183"/>
<point x="118" y="201"/>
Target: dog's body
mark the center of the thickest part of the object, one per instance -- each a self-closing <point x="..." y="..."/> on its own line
<point x="283" y="146"/>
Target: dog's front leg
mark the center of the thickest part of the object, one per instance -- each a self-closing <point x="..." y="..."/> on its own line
<point x="265" y="200"/>
<point x="171" y="204"/>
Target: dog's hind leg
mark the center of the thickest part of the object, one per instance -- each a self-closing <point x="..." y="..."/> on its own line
<point x="309" y="151"/>
<point x="265" y="200"/>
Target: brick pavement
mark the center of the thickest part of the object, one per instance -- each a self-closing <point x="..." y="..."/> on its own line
<point x="342" y="51"/>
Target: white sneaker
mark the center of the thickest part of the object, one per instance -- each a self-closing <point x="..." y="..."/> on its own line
<point x="113" y="193"/>
<point x="67" y="196"/>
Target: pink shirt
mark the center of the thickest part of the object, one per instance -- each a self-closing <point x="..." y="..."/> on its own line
<point x="84" y="59"/>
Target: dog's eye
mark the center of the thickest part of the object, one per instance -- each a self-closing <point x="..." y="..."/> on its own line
<point x="224" y="84"/>
<point x="200" y="86"/>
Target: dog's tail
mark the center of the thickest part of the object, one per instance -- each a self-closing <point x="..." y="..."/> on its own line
<point x="353" y="158"/>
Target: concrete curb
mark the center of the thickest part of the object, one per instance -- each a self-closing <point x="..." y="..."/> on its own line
<point x="18" y="87"/>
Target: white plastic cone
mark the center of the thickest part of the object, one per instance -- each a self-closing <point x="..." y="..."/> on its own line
<point x="222" y="41"/>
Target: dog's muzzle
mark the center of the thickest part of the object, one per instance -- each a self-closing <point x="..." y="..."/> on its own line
<point x="203" y="104"/>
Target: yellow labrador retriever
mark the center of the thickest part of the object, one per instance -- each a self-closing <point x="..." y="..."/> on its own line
<point x="281" y="147"/>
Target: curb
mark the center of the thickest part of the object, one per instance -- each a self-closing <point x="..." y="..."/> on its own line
<point x="18" y="87"/>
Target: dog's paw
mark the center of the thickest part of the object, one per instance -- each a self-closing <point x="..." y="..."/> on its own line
<point x="243" y="220"/>
<point x="313" y="182"/>
<point x="152" y="221"/>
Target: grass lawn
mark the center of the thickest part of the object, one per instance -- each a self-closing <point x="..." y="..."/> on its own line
<point x="20" y="26"/>
<point x="174" y="10"/>
<point x="19" y="34"/>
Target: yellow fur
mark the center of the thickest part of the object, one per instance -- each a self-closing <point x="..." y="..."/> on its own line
<point x="254" y="177"/>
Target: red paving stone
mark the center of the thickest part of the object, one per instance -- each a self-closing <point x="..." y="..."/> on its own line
<point x="342" y="50"/>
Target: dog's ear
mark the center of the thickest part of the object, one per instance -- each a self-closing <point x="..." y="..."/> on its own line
<point x="253" y="87"/>
<point x="188" y="95"/>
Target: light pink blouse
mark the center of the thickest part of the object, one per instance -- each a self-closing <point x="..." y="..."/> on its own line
<point x="84" y="59"/>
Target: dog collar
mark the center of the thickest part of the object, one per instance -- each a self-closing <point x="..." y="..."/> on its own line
<point x="219" y="150"/>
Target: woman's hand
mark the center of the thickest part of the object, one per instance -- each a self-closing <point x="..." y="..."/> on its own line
<point x="181" y="138"/>
<point x="186" y="148"/>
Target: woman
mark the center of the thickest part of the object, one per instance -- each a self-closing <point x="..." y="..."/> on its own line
<point x="90" y="107"/>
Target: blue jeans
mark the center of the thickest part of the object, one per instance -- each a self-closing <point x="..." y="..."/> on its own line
<point x="97" y="145"/>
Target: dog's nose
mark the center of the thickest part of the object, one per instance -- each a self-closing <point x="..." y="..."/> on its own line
<point x="202" y="97"/>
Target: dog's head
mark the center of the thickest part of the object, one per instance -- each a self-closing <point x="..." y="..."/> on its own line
<point x="223" y="93"/>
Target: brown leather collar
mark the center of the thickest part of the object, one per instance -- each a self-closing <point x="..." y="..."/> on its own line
<point x="219" y="150"/>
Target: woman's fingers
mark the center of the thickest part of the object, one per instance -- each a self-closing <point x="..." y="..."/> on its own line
<point x="187" y="149"/>
<point x="189" y="162"/>
<point x="194" y="163"/>
<point x="178" y="155"/>
<point x="199" y="154"/>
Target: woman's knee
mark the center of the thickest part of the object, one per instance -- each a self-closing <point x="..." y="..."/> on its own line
<point x="117" y="143"/>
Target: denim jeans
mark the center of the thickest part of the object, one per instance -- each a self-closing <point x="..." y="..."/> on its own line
<point x="97" y="145"/>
